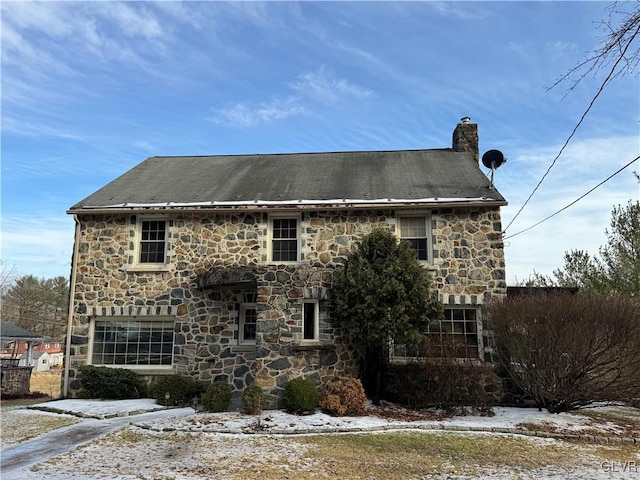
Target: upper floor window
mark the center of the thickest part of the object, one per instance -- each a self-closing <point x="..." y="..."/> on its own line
<point x="285" y="239"/>
<point x="151" y="242"/>
<point x="310" y="323"/>
<point x="415" y="231"/>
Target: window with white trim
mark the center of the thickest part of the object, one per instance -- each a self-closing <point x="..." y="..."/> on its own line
<point x="285" y="239"/>
<point x="458" y="335"/>
<point x="152" y="238"/>
<point x="310" y="321"/>
<point x="248" y="320"/>
<point x="132" y="342"/>
<point x="416" y="232"/>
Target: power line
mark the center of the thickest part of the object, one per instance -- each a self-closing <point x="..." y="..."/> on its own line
<point x="575" y="129"/>
<point x="576" y="200"/>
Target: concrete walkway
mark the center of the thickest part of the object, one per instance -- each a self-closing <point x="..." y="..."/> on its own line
<point x="23" y="455"/>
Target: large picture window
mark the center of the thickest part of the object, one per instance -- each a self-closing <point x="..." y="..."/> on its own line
<point x="284" y="239"/>
<point x="132" y="342"/>
<point x="415" y="231"/>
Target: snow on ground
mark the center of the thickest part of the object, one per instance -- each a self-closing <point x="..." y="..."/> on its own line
<point x="194" y="446"/>
<point x="281" y="422"/>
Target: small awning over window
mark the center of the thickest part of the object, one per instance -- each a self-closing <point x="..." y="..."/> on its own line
<point x="220" y="278"/>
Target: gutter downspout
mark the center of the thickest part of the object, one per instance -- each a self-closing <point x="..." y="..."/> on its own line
<point x="72" y="294"/>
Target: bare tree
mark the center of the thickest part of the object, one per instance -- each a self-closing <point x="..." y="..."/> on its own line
<point x="619" y="51"/>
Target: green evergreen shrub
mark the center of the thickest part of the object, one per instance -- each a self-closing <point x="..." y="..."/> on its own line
<point x="252" y="398"/>
<point x="217" y="398"/>
<point x="110" y="383"/>
<point x="180" y="389"/>
<point x="301" y="396"/>
<point x="343" y="396"/>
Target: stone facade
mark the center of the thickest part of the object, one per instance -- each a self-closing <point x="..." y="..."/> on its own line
<point x="218" y="261"/>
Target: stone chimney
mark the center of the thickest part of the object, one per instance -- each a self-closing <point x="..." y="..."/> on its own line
<point x="465" y="138"/>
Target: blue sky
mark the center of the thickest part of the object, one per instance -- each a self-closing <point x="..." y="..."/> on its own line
<point x="90" y="89"/>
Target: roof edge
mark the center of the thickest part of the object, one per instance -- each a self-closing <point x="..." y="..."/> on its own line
<point x="294" y="204"/>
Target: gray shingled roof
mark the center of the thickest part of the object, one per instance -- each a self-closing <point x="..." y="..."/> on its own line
<point x="11" y="332"/>
<point x="439" y="175"/>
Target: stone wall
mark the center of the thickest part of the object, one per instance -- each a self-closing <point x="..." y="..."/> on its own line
<point x="15" y="380"/>
<point x="468" y="268"/>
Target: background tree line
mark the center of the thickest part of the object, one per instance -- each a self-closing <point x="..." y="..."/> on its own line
<point x="616" y="269"/>
<point x="36" y="304"/>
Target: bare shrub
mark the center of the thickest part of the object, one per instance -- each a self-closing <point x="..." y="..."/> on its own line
<point x="343" y="396"/>
<point x="568" y="350"/>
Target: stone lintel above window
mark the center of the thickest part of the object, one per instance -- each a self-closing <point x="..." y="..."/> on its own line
<point x="220" y="278"/>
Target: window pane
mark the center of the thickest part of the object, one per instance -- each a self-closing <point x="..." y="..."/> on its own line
<point x="152" y="244"/>
<point x="456" y="335"/>
<point x="285" y="250"/>
<point x="248" y="321"/>
<point x="285" y="240"/>
<point x="309" y="321"/>
<point x="129" y="342"/>
<point x="414" y="231"/>
<point x="412" y="227"/>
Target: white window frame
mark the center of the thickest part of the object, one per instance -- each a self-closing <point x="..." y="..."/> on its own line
<point x="401" y="352"/>
<point x="241" y="322"/>
<point x="464" y="334"/>
<point x="316" y="318"/>
<point x="285" y="216"/>
<point x="116" y="319"/>
<point x="427" y="220"/>
<point x="138" y="244"/>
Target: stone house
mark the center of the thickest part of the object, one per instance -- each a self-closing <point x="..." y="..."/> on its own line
<point x="221" y="267"/>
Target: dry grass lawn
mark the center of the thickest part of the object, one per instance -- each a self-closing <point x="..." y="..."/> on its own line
<point x="47" y="383"/>
<point x="390" y="456"/>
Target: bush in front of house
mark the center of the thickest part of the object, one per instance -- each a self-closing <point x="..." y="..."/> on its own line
<point x="301" y="396"/>
<point x="252" y="398"/>
<point x="110" y="383"/>
<point x="217" y="397"/>
<point x="446" y="383"/>
<point x="343" y="396"/>
<point x="174" y="390"/>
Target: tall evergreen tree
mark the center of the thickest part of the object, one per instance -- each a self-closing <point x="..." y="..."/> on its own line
<point x="382" y="293"/>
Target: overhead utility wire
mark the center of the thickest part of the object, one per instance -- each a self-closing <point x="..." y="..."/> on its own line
<point x="576" y="200"/>
<point x="593" y="100"/>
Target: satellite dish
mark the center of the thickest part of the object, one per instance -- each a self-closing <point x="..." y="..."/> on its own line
<point x="493" y="159"/>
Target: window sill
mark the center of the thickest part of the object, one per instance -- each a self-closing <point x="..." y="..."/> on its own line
<point x="310" y="345"/>
<point x="147" y="268"/>
<point x="248" y="347"/>
<point x="143" y="369"/>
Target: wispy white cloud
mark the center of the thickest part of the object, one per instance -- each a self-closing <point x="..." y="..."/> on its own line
<point x="243" y="115"/>
<point x="323" y="86"/>
<point x="320" y="86"/>
<point x="41" y="242"/>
